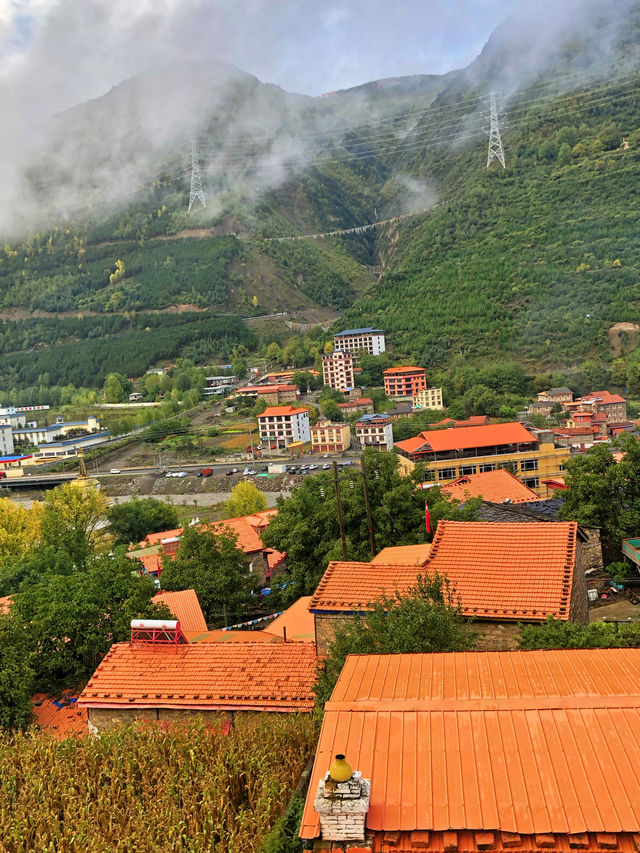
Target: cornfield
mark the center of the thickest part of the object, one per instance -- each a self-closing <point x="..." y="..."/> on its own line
<point x="141" y="789"/>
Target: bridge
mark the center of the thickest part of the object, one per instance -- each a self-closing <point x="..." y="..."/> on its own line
<point x="37" y="481"/>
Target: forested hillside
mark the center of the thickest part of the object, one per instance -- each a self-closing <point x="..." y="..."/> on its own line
<point x="534" y="263"/>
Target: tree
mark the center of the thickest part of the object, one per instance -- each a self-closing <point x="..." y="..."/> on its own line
<point x="71" y="620"/>
<point x="17" y="677"/>
<point x="330" y="410"/>
<point x="274" y="353"/>
<point x="426" y="619"/>
<point x="216" y="569"/>
<point x="307" y="529"/>
<point x="245" y="499"/>
<point x="73" y="521"/>
<point x="116" y="388"/>
<point x="19" y="527"/>
<point x="604" y="493"/>
<point x="555" y="634"/>
<point x="132" y="521"/>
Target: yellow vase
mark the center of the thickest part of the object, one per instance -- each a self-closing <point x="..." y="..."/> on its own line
<point x="340" y="770"/>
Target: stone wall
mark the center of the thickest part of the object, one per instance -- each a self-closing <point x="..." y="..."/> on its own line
<point x="326" y="624"/>
<point x="579" y="604"/>
<point x="101" y="719"/>
<point x="496" y="636"/>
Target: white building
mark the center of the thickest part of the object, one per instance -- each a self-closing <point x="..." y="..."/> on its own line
<point x="6" y="440"/>
<point x="352" y="340"/>
<point x="337" y="370"/>
<point x="428" y="398"/>
<point x="33" y="434"/>
<point x="280" y="425"/>
<point x="375" y="431"/>
<point x="16" y="416"/>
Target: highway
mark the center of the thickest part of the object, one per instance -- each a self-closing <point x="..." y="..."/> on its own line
<point x="220" y="468"/>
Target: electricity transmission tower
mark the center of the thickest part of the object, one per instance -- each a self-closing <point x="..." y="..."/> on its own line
<point x="496" y="151"/>
<point x="196" y="192"/>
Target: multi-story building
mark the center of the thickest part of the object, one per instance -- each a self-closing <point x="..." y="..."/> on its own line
<point x="6" y="440"/>
<point x="219" y="385"/>
<point x="428" y="398"/>
<point x="281" y="425"/>
<point x="16" y="416"/>
<point x="612" y="405"/>
<point x="375" y="431"/>
<point x="33" y="434"/>
<point x="404" y="382"/>
<point x="354" y="340"/>
<point x="327" y="437"/>
<point x="453" y="453"/>
<point x="337" y="370"/>
<point x="275" y="395"/>
<point x="360" y="404"/>
<point x="556" y="395"/>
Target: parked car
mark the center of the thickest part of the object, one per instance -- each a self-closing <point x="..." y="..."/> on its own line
<point x="206" y="472"/>
<point x="114" y="471"/>
<point x="326" y="466"/>
<point x="181" y="474"/>
<point x="313" y="467"/>
<point x="229" y="473"/>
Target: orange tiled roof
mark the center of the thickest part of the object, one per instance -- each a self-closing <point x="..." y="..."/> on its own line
<point x="156" y="538"/>
<point x="361" y="401"/>
<point x="280" y="411"/>
<point x="5" y="603"/>
<point x="297" y="620"/>
<point x="500" y="571"/>
<point x="151" y="562"/>
<point x="536" y="743"/>
<point x="403" y="369"/>
<point x="185" y="607"/>
<point x="496" y="486"/>
<point x="403" y="555"/>
<point x="220" y="636"/>
<point x="60" y="716"/>
<point x="464" y="438"/>
<point x="474" y="420"/>
<point x="205" y="676"/>
<point x="605" y="397"/>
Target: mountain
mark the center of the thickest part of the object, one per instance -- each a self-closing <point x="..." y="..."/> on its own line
<point x="536" y="262"/>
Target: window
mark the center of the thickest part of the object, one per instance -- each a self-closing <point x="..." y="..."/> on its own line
<point x="529" y="465"/>
<point x="446" y="474"/>
<point x="429" y="476"/>
<point x="465" y="470"/>
<point x="531" y="482"/>
<point x="488" y="466"/>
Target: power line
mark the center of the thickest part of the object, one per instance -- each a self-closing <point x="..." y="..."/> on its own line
<point x="496" y="151"/>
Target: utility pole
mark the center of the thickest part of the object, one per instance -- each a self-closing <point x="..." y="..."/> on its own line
<point x="496" y="151"/>
<point x="250" y="437"/>
<point x="365" y="487"/>
<point x="340" y="516"/>
<point x="196" y="193"/>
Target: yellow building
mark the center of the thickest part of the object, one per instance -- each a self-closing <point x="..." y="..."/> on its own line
<point x="428" y="398"/>
<point x="327" y="437"/>
<point x="453" y="453"/>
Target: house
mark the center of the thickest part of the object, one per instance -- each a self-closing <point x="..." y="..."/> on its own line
<point x="428" y="398"/>
<point x="541" y="407"/>
<point x="613" y="406"/>
<point x="474" y="420"/>
<point x="337" y="370"/>
<point x="184" y="607"/>
<point x="503" y="574"/>
<point x="6" y="440"/>
<point x="556" y="395"/>
<point x="401" y="412"/>
<point x="404" y="382"/>
<point x="60" y="715"/>
<point x="69" y="446"/>
<point x="498" y="486"/>
<point x="135" y="397"/>
<point x="160" y="676"/>
<point x="275" y="395"/>
<point x="360" y="404"/>
<point x="296" y="624"/>
<point x="16" y="416"/>
<point x="479" y="751"/>
<point x="375" y="431"/>
<point x="327" y="437"/>
<point x="283" y="425"/>
<point x="282" y="377"/>
<point x="453" y="453"/>
<point x="402" y="555"/>
<point x="354" y="340"/>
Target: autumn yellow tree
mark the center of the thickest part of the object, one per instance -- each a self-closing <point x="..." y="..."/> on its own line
<point x="245" y="499"/>
<point x="74" y="520"/>
<point x="20" y="528"/>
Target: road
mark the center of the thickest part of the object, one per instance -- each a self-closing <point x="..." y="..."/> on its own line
<point x="222" y="467"/>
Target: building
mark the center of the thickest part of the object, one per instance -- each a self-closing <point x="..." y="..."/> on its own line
<point x="480" y="751"/>
<point x="31" y="433"/>
<point x="6" y="440"/>
<point x="403" y="555"/>
<point x="360" y="404"/>
<point x="281" y="425"/>
<point x="185" y="607"/>
<point x="330" y="438"/>
<point x="428" y="398"/>
<point x="337" y="370"/>
<point x="556" y="395"/>
<point x="161" y="676"/>
<point x="503" y="574"/>
<point x="356" y="340"/>
<point x="283" y="377"/>
<point x="401" y="412"/>
<point x="296" y="624"/>
<point x="219" y="385"/>
<point x="59" y="716"/>
<point x="16" y="416"/>
<point x="613" y="406"/>
<point x="375" y="431"/>
<point x="453" y="453"/>
<point x="274" y="395"/>
<point x="450" y="423"/>
<point x="542" y="407"/>
<point x="499" y="486"/>
<point x="70" y="446"/>
<point x="405" y="382"/>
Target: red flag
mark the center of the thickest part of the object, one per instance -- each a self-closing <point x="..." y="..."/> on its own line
<point x="427" y="518"/>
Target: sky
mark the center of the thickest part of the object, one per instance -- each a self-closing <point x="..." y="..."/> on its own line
<point x="60" y="52"/>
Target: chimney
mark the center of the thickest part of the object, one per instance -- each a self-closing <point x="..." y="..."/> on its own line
<point x="342" y="802"/>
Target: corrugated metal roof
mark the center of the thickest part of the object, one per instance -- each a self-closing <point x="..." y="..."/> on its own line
<point x="540" y="742"/>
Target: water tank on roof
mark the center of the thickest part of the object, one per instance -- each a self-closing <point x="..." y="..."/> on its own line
<point x="169" y="624"/>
